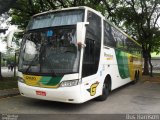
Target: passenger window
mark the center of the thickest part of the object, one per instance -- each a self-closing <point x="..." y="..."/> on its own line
<point x="108" y="35"/>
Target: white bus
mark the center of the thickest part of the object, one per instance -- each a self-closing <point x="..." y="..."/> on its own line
<point x="74" y="55"/>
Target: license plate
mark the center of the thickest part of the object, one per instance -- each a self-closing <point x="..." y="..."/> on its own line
<point x="41" y="93"/>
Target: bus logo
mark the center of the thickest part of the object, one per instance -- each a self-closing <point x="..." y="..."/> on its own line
<point x="93" y="88"/>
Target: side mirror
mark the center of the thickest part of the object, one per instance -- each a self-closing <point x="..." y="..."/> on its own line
<point x="80" y="33"/>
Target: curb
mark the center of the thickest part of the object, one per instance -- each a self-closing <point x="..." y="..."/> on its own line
<point x="9" y="92"/>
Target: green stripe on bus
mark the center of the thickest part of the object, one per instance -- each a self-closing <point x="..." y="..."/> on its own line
<point x="51" y="81"/>
<point x="122" y="60"/>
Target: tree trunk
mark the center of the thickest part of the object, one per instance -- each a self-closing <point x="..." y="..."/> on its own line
<point x="146" y="67"/>
<point x="146" y="61"/>
<point x="151" y="66"/>
<point x="15" y="63"/>
<point x="1" y="78"/>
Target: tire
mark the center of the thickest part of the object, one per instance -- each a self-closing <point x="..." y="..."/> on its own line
<point x="105" y="91"/>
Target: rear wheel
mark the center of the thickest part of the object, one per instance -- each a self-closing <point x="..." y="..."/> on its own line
<point x="105" y="91"/>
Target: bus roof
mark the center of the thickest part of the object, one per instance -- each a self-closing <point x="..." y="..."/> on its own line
<point x="70" y="8"/>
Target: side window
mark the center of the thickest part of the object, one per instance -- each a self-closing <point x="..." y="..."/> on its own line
<point x="119" y="38"/>
<point x="115" y="38"/>
<point x="93" y="45"/>
<point x="128" y="45"/>
<point x="132" y="47"/>
<point x="108" y="35"/>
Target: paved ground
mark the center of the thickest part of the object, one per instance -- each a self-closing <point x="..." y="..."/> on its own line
<point x="9" y="92"/>
<point x="144" y="97"/>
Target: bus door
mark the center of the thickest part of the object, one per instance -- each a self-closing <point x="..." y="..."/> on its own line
<point x="91" y="55"/>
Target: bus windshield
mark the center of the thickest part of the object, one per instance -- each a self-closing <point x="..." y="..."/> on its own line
<point x="50" y="50"/>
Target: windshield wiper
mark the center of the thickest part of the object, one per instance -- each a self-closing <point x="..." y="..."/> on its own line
<point x="31" y="63"/>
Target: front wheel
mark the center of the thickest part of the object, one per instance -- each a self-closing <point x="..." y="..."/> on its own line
<point x="105" y="92"/>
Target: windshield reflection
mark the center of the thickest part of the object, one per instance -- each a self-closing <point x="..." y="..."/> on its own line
<point x="51" y="50"/>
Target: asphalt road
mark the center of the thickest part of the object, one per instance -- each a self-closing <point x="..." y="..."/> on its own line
<point x="142" y="98"/>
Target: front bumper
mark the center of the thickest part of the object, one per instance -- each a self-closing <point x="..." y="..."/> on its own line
<point x="62" y="94"/>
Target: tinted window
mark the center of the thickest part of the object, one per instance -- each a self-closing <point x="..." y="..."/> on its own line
<point x="115" y="38"/>
<point x="132" y="47"/>
<point x="108" y="35"/>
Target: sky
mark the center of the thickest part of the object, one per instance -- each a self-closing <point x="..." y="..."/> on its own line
<point x="2" y="47"/>
<point x="3" y="44"/>
<point x="10" y="28"/>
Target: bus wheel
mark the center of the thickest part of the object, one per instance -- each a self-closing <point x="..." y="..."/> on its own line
<point x="105" y="91"/>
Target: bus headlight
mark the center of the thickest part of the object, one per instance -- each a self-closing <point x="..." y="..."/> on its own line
<point x="69" y="83"/>
<point x="21" y="80"/>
